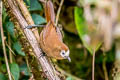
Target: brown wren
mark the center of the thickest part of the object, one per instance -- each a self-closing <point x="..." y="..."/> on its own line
<point x="51" y="38"/>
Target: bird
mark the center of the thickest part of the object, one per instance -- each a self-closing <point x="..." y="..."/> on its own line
<point x="51" y="41"/>
<point x="51" y="38"/>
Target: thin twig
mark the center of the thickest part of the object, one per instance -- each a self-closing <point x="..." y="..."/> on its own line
<point x="26" y="59"/>
<point x="93" y="65"/>
<point x="10" y="52"/>
<point x="3" y="43"/>
<point x="104" y="68"/>
<point x="10" y="48"/>
<point x="58" y="12"/>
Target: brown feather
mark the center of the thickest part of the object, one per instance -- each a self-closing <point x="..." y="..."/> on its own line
<point x="50" y="41"/>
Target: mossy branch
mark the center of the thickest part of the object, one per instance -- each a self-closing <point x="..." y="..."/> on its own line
<point x="47" y="67"/>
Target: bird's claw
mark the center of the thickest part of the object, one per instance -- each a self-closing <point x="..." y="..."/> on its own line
<point x="41" y="55"/>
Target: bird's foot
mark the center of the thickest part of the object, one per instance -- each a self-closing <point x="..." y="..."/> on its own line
<point x="42" y="55"/>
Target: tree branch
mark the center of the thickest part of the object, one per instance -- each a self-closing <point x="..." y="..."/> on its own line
<point x="28" y="17"/>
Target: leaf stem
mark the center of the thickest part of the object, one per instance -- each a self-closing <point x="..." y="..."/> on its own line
<point x="10" y="53"/>
<point x="58" y="12"/>
<point x="93" y="65"/>
<point x="104" y="67"/>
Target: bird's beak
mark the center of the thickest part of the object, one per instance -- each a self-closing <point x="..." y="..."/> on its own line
<point x="69" y="59"/>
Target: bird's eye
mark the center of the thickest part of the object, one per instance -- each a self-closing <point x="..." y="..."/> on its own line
<point x="63" y="53"/>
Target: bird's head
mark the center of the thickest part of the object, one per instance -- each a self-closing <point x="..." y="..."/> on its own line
<point x="65" y="54"/>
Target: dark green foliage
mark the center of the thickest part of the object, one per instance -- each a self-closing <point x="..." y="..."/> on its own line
<point x="3" y="77"/>
<point x="14" y="68"/>
<point x="17" y="47"/>
<point x="3" y="68"/>
<point x="17" y="67"/>
<point x="35" y="5"/>
<point x="38" y="19"/>
<point x="24" y="69"/>
<point x="10" y="28"/>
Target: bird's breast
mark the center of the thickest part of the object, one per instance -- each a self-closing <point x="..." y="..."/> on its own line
<point x="51" y="41"/>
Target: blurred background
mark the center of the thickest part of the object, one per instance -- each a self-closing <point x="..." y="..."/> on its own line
<point x="88" y="26"/>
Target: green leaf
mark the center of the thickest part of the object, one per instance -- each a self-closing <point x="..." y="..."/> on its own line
<point x="10" y="28"/>
<point x="14" y="68"/>
<point x="69" y="78"/>
<point x="38" y="19"/>
<point x="17" y="47"/>
<point x="35" y="5"/>
<point x="27" y="2"/>
<point x="81" y="27"/>
<point x="3" y="77"/>
<point x="24" y="68"/>
<point x="3" y="68"/>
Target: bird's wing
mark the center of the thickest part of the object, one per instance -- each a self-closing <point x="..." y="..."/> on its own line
<point x="46" y="30"/>
<point x="59" y="34"/>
